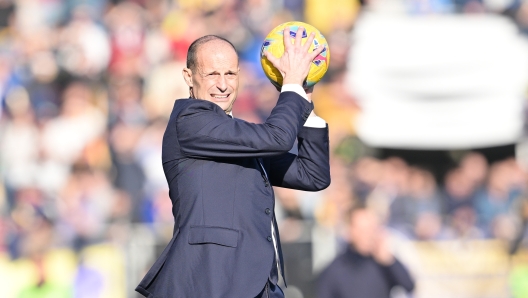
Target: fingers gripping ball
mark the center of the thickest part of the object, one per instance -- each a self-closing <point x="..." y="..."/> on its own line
<point x="274" y="43"/>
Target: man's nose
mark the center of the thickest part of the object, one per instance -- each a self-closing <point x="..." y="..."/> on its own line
<point x="221" y="83"/>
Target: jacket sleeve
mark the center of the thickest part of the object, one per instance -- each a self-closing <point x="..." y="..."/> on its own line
<point x="205" y="131"/>
<point x="399" y="276"/>
<point x="308" y="170"/>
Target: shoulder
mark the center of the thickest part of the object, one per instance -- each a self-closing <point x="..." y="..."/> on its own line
<point x="190" y="106"/>
<point x="335" y="267"/>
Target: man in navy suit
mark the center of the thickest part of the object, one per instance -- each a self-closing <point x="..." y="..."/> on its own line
<point x="220" y="171"/>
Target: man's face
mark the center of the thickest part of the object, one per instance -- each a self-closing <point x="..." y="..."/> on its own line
<point x="216" y="75"/>
<point x="364" y="231"/>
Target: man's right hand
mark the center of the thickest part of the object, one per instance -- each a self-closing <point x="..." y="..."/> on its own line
<point x="294" y="64"/>
<point x="381" y="251"/>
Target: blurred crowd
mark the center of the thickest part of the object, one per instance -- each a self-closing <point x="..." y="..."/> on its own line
<point x="473" y="201"/>
<point x="86" y="88"/>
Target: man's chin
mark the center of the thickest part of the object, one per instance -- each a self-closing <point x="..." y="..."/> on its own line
<point x="227" y="109"/>
<point x="225" y="105"/>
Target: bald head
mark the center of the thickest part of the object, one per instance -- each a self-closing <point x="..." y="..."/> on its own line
<point x="192" y="53"/>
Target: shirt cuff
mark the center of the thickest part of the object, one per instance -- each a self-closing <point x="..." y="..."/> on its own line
<point x="315" y="121"/>
<point x="294" y="88"/>
<point x="312" y="121"/>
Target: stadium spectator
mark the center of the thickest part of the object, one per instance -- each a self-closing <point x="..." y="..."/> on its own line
<point x="367" y="268"/>
<point x="495" y="204"/>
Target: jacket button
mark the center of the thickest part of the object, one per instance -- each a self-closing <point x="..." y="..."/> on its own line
<point x="268" y="211"/>
<point x="269" y="238"/>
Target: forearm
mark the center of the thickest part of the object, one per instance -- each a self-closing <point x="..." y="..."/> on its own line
<point x="309" y="170"/>
<point x="399" y="275"/>
<point x="314" y="154"/>
<point x="204" y="130"/>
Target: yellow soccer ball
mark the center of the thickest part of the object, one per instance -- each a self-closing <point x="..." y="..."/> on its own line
<point x="274" y="43"/>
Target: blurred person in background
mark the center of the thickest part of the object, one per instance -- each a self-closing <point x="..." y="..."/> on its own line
<point x="366" y="174"/>
<point x="337" y="197"/>
<point x="83" y="46"/>
<point x="416" y="213"/>
<point x="36" y="245"/>
<point x="65" y="137"/>
<point x="85" y="205"/>
<point x="462" y="183"/>
<point x="129" y="175"/>
<point x="125" y="101"/>
<point x="497" y="202"/>
<point x="156" y="207"/>
<point x="391" y="185"/>
<point x="367" y="268"/>
<point x="19" y="143"/>
<point x="126" y="23"/>
<point x="461" y="224"/>
<point x="458" y="191"/>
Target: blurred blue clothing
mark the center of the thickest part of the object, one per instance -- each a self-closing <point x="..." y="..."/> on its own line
<point x="419" y="7"/>
<point x="452" y="203"/>
<point x="489" y="207"/>
<point x="405" y="210"/>
<point x="88" y="283"/>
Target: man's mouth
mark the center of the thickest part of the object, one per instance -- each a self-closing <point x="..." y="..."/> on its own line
<point x="220" y="96"/>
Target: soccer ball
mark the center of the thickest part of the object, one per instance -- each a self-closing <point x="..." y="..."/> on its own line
<point x="274" y="43"/>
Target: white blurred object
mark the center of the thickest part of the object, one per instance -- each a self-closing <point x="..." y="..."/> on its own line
<point x="498" y="5"/>
<point x="64" y="138"/>
<point x="19" y="141"/>
<point x="162" y="87"/>
<point x="324" y="247"/>
<point x="442" y="82"/>
<point x="84" y="47"/>
<point x="148" y="152"/>
<point x="157" y="47"/>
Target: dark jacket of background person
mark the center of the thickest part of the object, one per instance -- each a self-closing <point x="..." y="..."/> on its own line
<point x="352" y="275"/>
<point x="223" y="202"/>
<point x="367" y="269"/>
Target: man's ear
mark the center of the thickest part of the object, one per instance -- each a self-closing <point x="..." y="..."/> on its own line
<point x="187" y="76"/>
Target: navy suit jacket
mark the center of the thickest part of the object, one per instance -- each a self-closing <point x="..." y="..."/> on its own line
<point x="222" y="200"/>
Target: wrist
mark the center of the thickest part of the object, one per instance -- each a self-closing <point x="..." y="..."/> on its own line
<point x="297" y="89"/>
<point x="296" y="81"/>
